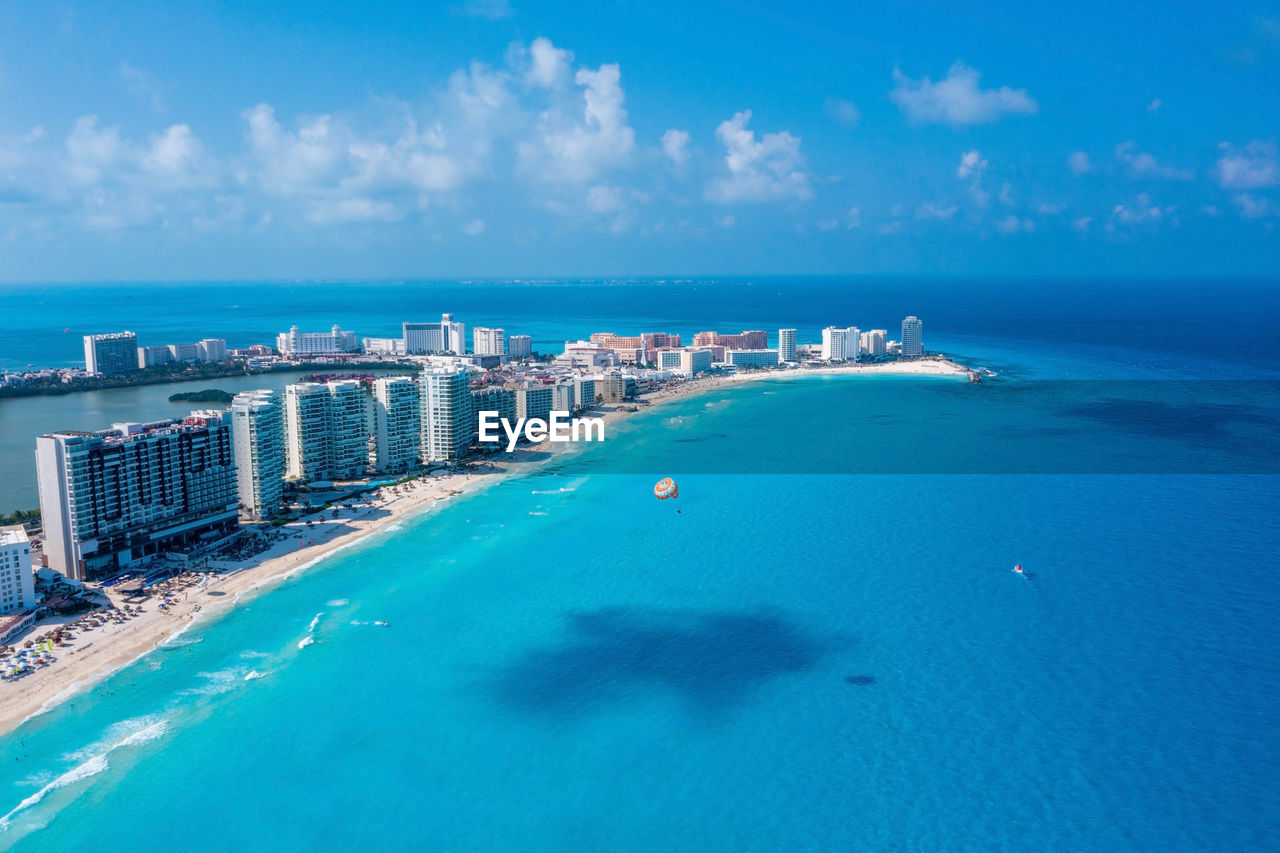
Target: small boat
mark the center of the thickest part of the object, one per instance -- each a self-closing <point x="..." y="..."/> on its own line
<point x="1018" y="568"/>
<point x="380" y="622"/>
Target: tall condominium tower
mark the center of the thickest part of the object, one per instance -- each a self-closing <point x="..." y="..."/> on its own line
<point x="398" y="422"/>
<point x="111" y="354"/>
<point x="257" y="428"/>
<point x="446" y="414"/>
<point x="912" y="336"/>
<point x="841" y="344"/>
<point x="327" y="428"/>
<point x="17" y="585"/>
<point x="444" y="336"/>
<point x="488" y="341"/>
<point x="519" y="346"/>
<point x="787" y="344"/>
<point x="111" y="498"/>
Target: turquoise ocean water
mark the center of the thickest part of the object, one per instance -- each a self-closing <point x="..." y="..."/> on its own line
<point x="825" y="648"/>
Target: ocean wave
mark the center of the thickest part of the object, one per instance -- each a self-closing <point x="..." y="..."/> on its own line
<point x="253" y="675"/>
<point x="315" y="621"/>
<point x="215" y="683"/>
<point x="93" y="760"/>
<point x="179" y="642"/>
<point x="338" y="602"/>
<point x="252" y="655"/>
<point x="536" y="513"/>
<point x="306" y="641"/>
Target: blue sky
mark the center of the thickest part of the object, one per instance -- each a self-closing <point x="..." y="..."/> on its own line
<point x="500" y="138"/>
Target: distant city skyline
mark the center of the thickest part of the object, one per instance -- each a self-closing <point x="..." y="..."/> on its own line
<point x="496" y="139"/>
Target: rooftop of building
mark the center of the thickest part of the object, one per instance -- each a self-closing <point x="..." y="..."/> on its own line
<point x="13" y="534"/>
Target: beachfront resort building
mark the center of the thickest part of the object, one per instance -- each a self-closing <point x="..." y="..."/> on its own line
<point x="501" y="401"/>
<point x="695" y="361"/>
<point x="787" y="344"/>
<point x="298" y="344"/>
<point x="136" y="491"/>
<point x="586" y="354"/>
<point x="752" y="357"/>
<point x="637" y="349"/>
<point x="382" y="346"/>
<point x="534" y="401"/>
<point x="111" y="354"/>
<point x="519" y="346"/>
<point x="397" y="413"/>
<point x="562" y="397"/>
<point x="447" y="419"/>
<point x="427" y="338"/>
<point x="584" y="391"/>
<point x="841" y="344"/>
<point x="327" y="429"/>
<point x="17" y="584"/>
<point x="874" y="344"/>
<point x="486" y="341"/>
<point x="912" y="336"/>
<point x="753" y="339"/>
<point x="257" y="430"/>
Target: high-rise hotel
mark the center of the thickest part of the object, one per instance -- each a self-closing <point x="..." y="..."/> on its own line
<point x="488" y="341"/>
<point x="912" y="336"/>
<point x="257" y="428"/>
<point x="327" y="429"/>
<point x="111" y="498"/>
<point x="397" y="415"/>
<point x="787" y="344"/>
<point x="447" y="419"/>
<point x="111" y="354"/>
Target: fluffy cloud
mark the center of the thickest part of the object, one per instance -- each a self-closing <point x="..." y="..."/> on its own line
<point x="931" y="210"/>
<point x="675" y="145"/>
<point x="972" y="165"/>
<point x="957" y="99"/>
<point x="565" y="148"/>
<point x="1079" y="163"/>
<point x="769" y="169"/>
<point x="1252" y="167"/>
<point x="1014" y="225"/>
<point x="1143" y="165"/>
<point x="843" y="112"/>
<point x="1252" y="207"/>
<point x="1143" y="211"/>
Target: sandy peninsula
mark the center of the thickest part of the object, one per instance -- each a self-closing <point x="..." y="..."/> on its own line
<point x="95" y="653"/>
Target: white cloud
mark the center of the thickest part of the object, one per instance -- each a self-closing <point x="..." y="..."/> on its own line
<point x="1050" y="209"/>
<point x="549" y="66"/>
<point x="490" y="10"/>
<point x="1154" y="105"/>
<point x="843" y="112"/>
<point x="726" y="221"/>
<point x="854" y="219"/>
<point x="972" y="165"/>
<point x="1082" y="224"/>
<point x="828" y="224"/>
<point x="1143" y="211"/>
<point x="143" y="85"/>
<point x="1143" y="165"/>
<point x="91" y="151"/>
<point x="351" y="210"/>
<point x="1006" y="195"/>
<point x="930" y="210"/>
<point x="474" y="228"/>
<point x="566" y="149"/>
<point x="1254" y="166"/>
<point x="675" y="144"/>
<point x="957" y="99"/>
<point x="1014" y="225"/>
<point x="1079" y="163"/>
<point x="770" y="169"/>
<point x="1252" y="207"/>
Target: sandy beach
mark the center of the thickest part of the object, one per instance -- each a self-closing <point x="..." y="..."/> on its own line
<point x="95" y="653"/>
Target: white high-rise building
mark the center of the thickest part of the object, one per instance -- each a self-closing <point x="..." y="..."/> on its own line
<point x="212" y="349"/>
<point x="446" y="415"/>
<point x="294" y="343"/>
<point x="427" y="338"/>
<point x="534" y="401"/>
<point x="912" y="336"/>
<point x="111" y="354"/>
<point x="562" y="397"/>
<point x="519" y="346"/>
<point x="136" y="491"/>
<point x="787" y="344"/>
<point x="874" y="344"/>
<point x="257" y="428"/>
<point x="17" y="584"/>
<point x="584" y="391"/>
<point x="152" y="355"/>
<point x="488" y="341"/>
<point x="398" y="414"/>
<point x="841" y="344"/>
<point x="327" y="429"/>
<point x="190" y="353"/>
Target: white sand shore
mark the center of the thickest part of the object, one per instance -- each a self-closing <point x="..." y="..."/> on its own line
<point x="96" y="653"/>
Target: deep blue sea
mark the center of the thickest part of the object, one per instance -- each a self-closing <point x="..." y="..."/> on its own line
<point x="825" y="647"/>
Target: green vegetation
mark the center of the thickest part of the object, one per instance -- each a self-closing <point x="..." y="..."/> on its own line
<point x="22" y="516"/>
<point x="208" y="395"/>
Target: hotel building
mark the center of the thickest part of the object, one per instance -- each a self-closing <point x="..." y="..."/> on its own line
<point x="428" y="338"/>
<point x="398" y="413"/>
<point x="586" y="354"/>
<point x="584" y="392"/>
<point x="487" y="341"/>
<point x="17" y="585"/>
<point x="111" y="354"/>
<point x="447" y="419"/>
<point x="753" y="339"/>
<point x="752" y="357"/>
<point x="787" y="344"/>
<point x="562" y="397"/>
<point x="519" y="346"/>
<point x="694" y="361"/>
<point x="326" y="430"/>
<point x="294" y="344"/>
<point x="841" y="344"/>
<point x="534" y="401"/>
<point x="912" y="336"/>
<point x="257" y="430"/>
<point x="493" y="399"/>
<point x="111" y="498"/>
<point x="874" y="344"/>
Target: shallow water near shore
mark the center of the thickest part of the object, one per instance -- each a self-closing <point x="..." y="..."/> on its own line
<point x="773" y="660"/>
